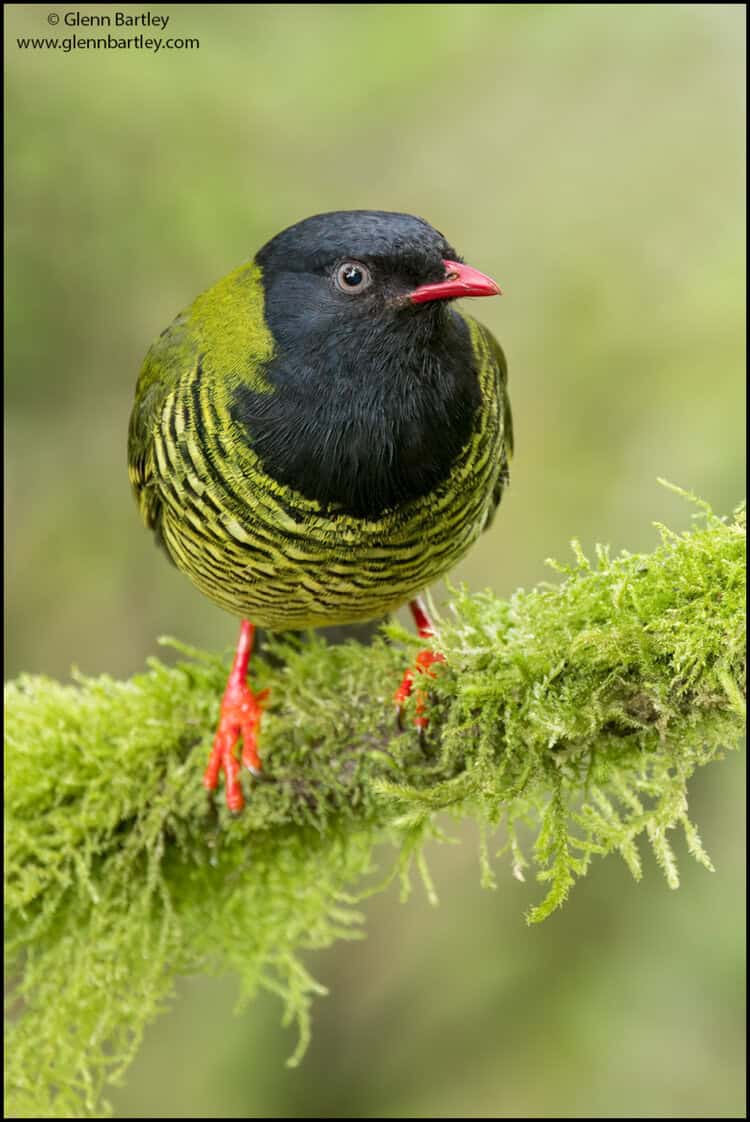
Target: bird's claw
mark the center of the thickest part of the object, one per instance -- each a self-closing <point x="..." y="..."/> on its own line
<point x="423" y="665"/>
<point x="240" y="717"/>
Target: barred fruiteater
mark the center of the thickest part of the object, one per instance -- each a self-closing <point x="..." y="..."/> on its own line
<point x="319" y="436"/>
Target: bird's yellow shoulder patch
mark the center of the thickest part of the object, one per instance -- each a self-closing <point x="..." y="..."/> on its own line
<point x="229" y="326"/>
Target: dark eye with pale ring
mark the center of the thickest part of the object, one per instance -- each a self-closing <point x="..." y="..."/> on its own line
<point x="353" y="277"/>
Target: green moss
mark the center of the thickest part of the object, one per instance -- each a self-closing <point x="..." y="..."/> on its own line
<point x="579" y="709"/>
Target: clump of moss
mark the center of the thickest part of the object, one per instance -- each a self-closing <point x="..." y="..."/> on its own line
<point x="579" y="709"/>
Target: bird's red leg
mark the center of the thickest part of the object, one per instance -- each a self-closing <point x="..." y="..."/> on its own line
<point x="241" y="710"/>
<point x="423" y="662"/>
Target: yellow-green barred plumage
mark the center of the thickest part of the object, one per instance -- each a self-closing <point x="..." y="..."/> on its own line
<point x="256" y="547"/>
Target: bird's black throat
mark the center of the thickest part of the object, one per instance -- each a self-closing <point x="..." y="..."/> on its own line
<point x="365" y="413"/>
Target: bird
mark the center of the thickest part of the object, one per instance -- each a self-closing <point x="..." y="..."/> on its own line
<point x="318" y="437"/>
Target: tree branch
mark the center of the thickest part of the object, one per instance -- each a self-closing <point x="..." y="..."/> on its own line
<point x="578" y="711"/>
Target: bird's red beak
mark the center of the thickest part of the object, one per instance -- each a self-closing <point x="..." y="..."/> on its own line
<point x="460" y="280"/>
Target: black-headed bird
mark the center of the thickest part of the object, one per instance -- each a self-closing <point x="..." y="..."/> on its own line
<point x="319" y="436"/>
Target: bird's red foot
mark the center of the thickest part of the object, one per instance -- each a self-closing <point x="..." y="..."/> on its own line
<point x="240" y="716"/>
<point x="423" y="663"/>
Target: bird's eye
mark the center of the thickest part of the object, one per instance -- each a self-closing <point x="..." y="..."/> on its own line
<point x="352" y="277"/>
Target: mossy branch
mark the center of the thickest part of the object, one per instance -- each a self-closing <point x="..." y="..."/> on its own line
<point x="574" y="713"/>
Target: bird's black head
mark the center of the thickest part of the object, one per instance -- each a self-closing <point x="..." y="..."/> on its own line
<point x="347" y="267"/>
<point x="351" y="263"/>
<point x="374" y="374"/>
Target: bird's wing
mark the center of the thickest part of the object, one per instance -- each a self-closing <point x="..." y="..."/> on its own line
<point x="225" y="323"/>
<point x="495" y="352"/>
<point x="164" y="364"/>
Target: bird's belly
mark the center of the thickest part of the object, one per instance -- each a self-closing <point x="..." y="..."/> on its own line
<point x="285" y="572"/>
<point x="265" y="552"/>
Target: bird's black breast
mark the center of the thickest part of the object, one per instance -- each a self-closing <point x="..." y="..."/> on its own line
<point x="365" y="424"/>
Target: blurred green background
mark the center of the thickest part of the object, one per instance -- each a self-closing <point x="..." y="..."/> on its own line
<point x="590" y="158"/>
